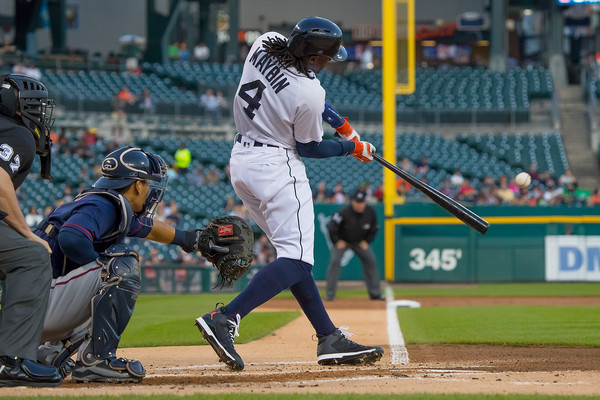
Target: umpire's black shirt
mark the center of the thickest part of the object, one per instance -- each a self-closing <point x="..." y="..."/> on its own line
<point x="17" y="151"/>
<point x="352" y="227"/>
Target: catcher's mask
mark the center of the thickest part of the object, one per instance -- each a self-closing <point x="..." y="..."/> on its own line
<point x="128" y="164"/>
<point x="25" y="100"/>
<point x="317" y="36"/>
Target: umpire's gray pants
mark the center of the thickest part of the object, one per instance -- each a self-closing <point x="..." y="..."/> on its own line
<point x="25" y="273"/>
<point x="367" y="258"/>
<point x="70" y="302"/>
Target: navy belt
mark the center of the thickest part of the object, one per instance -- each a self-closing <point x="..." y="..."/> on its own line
<point x="238" y="139"/>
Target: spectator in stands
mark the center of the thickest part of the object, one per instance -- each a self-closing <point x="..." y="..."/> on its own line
<point x="553" y="194"/>
<point x="407" y="165"/>
<point x="172" y="213"/>
<point x="448" y="189"/>
<point x="533" y="172"/>
<point x="112" y="59"/>
<point x="33" y="72"/>
<point x="212" y="105"/>
<point x="48" y="210"/>
<point x="423" y="165"/>
<point x="212" y="176"/>
<point x="321" y="194"/>
<point x="201" y="52"/>
<point x="227" y="174"/>
<point x="534" y="195"/>
<point x="594" y="199"/>
<point x="223" y="105"/>
<point x="183" y="159"/>
<point x="402" y="187"/>
<point x="366" y="58"/>
<point x="244" y="49"/>
<point x="33" y="217"/>
<point x="119" y="104"/>
<point x="457" y="179"/>
<point x="230" y="204"/>
<point x="146" y="102"/>
<point x="466" y="191"/>
<point x="67" y="194"/>
<point x="378" y="193"/>
<point x="566" y="178"/>
<point x="197" y="177"/>
<point x="264" y="252"/>
<point x="338" y="196"/>
<point x="184" y="53"/>
<point x="506" y="194"/>
<point x="173" y="51"/>
<point x="19" y="68"/>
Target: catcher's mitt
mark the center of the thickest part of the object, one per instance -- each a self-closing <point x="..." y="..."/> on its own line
<point x="227" y="243"/>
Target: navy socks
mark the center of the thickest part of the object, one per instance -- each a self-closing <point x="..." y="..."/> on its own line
<point x="275" y="277"/>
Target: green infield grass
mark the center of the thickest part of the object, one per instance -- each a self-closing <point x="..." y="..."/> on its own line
<point x="502" y="325"/>
<point x="168" y="320"/>
<point x="324" y="396"/>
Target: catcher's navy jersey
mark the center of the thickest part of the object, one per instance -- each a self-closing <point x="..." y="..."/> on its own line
<point x="91" y="217"/>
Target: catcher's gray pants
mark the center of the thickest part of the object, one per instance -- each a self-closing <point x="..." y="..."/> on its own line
<point x="367" y="258"/>
<point x="25" y="273"/>
<point x="69" y="307"/>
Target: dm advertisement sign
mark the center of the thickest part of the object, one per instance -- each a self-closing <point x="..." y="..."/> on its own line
<point x="572" y="258"/>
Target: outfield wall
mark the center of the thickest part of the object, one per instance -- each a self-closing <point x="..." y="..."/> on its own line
<point x="523" y="244"/>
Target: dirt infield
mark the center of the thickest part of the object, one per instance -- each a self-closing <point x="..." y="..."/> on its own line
<point x="285" y="362"/>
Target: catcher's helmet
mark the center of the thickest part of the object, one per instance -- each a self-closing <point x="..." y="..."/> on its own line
<point x="25" y="100"/>
<point x="128" y="164"/>
<point x="317" y="36"/>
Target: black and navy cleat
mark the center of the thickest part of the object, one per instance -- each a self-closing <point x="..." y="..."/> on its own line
<point x="336" y="348"/>
<point x="219" y="331"/>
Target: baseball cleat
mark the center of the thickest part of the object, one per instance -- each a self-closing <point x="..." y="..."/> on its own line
<point x="22" y="372"/>
<point x="336" y="348"/>
<point x="219" y="331"/>
<point x="118" y="370"/>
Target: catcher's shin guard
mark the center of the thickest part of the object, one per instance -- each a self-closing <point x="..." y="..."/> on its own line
<point x="112" y="308"/>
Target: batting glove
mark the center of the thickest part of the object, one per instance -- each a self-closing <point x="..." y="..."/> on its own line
<point x="363" y="151"/>
<point x="347" y="132"/>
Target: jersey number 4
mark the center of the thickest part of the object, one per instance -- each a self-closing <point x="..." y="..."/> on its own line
<point x="253" y="101"/>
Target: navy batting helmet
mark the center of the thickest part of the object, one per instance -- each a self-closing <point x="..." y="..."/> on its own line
<point x="317" y="36"/>
<point x="26" y="100"/>
<point x="128" y="164"/>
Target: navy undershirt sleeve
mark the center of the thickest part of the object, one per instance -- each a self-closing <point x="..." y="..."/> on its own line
<point x="78" y="249"/>
<point x="324" y="148"/>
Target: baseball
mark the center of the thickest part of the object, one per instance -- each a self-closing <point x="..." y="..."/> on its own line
<point x="523" y="179"/>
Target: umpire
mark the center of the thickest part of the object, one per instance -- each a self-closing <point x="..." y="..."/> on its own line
<point x="354" y="227"/>
<point x="25" y="271"/>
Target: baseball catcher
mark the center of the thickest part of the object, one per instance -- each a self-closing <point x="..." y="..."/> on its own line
<point x="96" y="276"/>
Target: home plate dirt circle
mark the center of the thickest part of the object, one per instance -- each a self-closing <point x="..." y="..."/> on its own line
<point x="285" y="362"/>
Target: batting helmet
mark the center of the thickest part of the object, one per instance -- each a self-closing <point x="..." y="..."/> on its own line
<point x="128" y="164"/>
<point x="317" y="36"/>
<point x="26" y="100"/>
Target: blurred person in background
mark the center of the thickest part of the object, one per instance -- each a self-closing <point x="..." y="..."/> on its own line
<point x="354" y="227"/>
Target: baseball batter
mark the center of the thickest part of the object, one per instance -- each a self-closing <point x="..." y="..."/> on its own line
<point x="279" y="111"/>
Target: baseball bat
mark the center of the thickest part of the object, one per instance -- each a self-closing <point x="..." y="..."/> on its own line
<point x="453" y="207"/>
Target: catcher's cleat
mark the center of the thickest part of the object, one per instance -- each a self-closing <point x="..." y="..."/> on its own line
<point x="336" y="348"/>
<point x="219" y="331"/>
<point x="117" y="370"/>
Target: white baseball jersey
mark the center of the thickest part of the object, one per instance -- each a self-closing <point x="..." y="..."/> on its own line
<point x="277" y="106"/>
